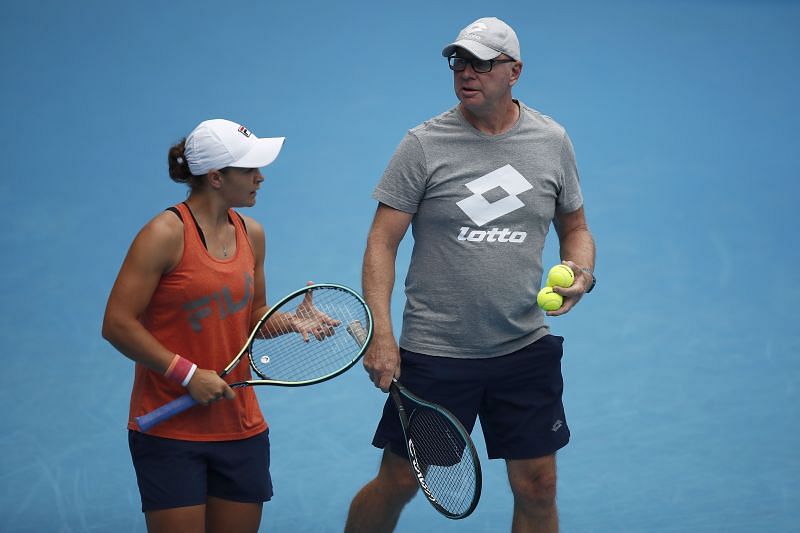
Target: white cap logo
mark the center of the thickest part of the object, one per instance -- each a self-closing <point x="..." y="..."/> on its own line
<point x="478" y="26"/>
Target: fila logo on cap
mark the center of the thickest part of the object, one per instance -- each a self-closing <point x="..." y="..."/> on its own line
<point x="482" y="211"/>
<point x="244" y="131"/>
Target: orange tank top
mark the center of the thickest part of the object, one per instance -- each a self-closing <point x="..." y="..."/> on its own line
<point x="201" y="310"/>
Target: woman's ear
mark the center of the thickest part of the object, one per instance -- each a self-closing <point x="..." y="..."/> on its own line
<point x="215" y="179"/>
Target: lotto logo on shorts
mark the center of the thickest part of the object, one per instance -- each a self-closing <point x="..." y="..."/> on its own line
<point x="244" y="131"/>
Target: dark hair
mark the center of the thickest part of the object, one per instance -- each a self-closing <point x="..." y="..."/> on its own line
<point x="179" y="167"/>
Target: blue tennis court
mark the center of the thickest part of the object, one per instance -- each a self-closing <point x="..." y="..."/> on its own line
<point x="682" y="368"/>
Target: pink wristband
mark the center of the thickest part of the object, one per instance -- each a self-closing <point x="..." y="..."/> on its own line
<point x="180" y="370"/>
<point x="189" y="375"/>
<point x="171" y="366"/>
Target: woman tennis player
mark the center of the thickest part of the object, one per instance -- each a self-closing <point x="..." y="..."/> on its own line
<point x="188" y="293"/>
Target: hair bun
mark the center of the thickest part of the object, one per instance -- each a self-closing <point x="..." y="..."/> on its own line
<point x="178" y="167"/>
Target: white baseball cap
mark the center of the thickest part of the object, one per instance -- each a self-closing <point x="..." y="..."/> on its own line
<point x="219" y="143"/>
<point x="486" y="38"/>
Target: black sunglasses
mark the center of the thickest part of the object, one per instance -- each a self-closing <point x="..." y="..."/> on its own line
<point x="482" y="66"/>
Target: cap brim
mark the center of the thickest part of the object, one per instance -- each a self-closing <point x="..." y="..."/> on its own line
<point x="263" y="152"/>
<point x="473" y="47"/>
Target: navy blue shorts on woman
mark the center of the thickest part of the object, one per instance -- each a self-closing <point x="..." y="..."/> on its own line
<point x="178" y="473"/>
<point x="516" y="396"/>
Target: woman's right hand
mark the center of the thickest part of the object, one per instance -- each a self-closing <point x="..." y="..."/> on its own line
<point x="206" y="387"/>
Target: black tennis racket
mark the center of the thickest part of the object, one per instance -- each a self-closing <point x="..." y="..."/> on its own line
<point x="282" y="348"/>
<point x="441" y="453"/>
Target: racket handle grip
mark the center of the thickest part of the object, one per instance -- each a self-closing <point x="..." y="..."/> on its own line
<point x="166" y="411"/>
<point x="357" y="331"/>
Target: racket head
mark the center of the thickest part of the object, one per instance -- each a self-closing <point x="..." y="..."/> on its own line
<point x="442" y="456"/>
<point x="279" y="355"/>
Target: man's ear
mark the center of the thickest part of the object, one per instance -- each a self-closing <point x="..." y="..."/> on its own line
<point x="516" y="71"/>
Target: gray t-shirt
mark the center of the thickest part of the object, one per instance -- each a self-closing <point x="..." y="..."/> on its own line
<point x="482" y="207"/>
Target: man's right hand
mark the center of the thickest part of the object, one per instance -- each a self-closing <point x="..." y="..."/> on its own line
<point x="382" y="361"/>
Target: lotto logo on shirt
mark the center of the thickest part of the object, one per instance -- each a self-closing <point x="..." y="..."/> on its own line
<point x="508" y="182"/>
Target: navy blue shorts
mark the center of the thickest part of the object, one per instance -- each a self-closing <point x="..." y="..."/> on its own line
<point x="178" y="473"/>
<point x="517" y="396"/>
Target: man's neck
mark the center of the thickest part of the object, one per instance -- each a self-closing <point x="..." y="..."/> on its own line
<point x="493" y="121"/>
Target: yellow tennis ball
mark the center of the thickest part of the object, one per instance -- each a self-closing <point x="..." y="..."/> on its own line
<point x="549" y="300"/>
<point x="560" y="276"/>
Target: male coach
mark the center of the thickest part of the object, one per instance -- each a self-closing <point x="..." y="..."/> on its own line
<point x="480" y="185"/>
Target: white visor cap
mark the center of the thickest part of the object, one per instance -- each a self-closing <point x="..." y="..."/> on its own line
<point x="220" y="143"/>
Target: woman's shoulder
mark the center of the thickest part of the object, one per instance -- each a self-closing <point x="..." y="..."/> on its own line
<point x="251" y="225"/>
<point x="159" y="237"/>
<point x="165" y="226"/>
<point x="159" y="244"/>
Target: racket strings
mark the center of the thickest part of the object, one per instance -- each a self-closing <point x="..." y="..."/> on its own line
<point x="445" y="459"/>
<point x="278" y="351"/>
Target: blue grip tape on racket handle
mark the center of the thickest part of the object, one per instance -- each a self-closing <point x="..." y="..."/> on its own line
<point x="176" y="406"/>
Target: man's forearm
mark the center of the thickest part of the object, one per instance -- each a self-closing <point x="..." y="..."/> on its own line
<point x="378" y="278"/>
<point x="578" y="246"/>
